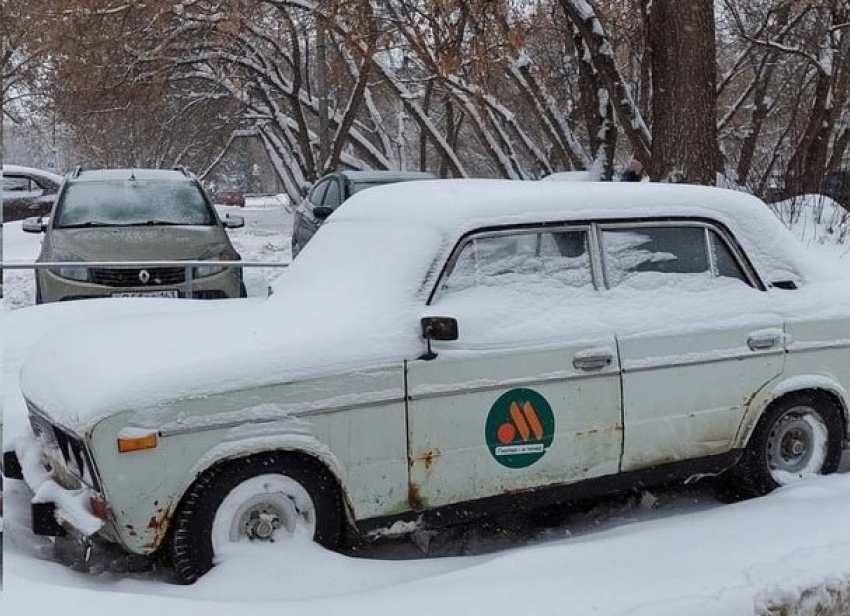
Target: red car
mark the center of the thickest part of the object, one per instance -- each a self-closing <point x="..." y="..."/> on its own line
<point x="230" y="197"/>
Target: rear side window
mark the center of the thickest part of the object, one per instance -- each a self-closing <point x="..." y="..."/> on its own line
<point x="333" y="197"/>
<point x="318" y="193"/>
<point x="556" y="259"/>
<point x="133" y="202"/>
<point x="651" y="255"/>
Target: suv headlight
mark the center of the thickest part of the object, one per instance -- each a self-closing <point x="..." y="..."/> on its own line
<point x="220" y="253"/>
<point x="71" y="272"/>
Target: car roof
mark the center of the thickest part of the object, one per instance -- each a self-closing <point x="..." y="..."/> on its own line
<point x="32" y="171"/>
<point x="456" y="207"/>
<point x="386" y="176"/>
<point x="105" y="175"/>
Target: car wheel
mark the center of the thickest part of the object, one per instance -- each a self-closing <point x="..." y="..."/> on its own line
<point x="273" y="497"/>
<point x="798" y="436"/>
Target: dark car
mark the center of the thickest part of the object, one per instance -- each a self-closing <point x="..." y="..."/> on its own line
<point x="230" y="197"/>
<point x="28" y="192"/>
<point x="332" y="190"/>
<point x="837" y="186"/>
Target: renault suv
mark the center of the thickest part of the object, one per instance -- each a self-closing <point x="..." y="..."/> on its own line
<point x="114" y="215"/>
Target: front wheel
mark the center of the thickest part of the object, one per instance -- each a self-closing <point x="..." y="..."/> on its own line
<point x="272" y="498"/>
<point x="797" y="437"/>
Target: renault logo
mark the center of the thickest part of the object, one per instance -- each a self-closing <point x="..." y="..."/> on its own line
<point x="144" y="276"/>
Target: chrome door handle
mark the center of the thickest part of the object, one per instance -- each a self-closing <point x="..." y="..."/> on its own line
<point x="592" y="361"/>
<point x="764" y="341"/>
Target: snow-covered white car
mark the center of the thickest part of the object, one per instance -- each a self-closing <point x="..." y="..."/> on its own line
<point x="492" y="343"/>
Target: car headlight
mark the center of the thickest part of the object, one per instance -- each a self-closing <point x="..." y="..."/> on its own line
<point x="221" y="253"/>
<point x="207" y="270"/>
<point x="71" y="272"/>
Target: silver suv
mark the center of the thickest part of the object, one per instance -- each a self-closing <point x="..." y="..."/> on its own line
<point x="135" y="215"/>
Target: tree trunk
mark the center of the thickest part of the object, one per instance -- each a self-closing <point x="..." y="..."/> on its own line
<point x="684" y="99"/>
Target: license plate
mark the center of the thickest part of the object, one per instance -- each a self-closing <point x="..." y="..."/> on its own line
<point x="158" y="293"/>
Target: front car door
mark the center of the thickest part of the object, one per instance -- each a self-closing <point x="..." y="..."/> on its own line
<point x="528" y="396"/>
<point x="703" y="341"/>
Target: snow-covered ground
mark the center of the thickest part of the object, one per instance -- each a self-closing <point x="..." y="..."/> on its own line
<point x="676" y="552"/>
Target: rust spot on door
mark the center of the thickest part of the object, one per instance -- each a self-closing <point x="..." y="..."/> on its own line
<point x="427" y="458"/>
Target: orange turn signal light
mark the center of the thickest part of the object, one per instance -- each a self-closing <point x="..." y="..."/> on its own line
<point x="127" y="444"/>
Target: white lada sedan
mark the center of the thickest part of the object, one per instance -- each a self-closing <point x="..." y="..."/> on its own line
<point x="442" y="349"/>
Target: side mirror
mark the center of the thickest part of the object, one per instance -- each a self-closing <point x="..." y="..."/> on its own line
<point x="437" y="328"/>
<point x="322" y="211"/>
<point x="232" y="221"/>
<point x="34" y="224"/>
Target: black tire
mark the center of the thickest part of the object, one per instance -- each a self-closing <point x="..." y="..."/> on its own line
<point x="783" y="446"/>
<point x="190" y="548"/>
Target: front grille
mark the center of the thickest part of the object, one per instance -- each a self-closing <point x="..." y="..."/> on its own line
<point x="156" y="277"/>
<point x="66" y="449"/>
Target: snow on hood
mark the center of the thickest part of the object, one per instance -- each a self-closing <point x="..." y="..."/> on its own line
<point x="353" y="297"/>
<point x="354" y="306"/>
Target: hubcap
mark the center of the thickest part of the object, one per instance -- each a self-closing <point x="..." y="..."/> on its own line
<point x="797" y="445"/>
<point x="265" y="508"/>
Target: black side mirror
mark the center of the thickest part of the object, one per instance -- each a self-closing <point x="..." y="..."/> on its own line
<point x="322" y="211"/>
<point x="437" y="328"/>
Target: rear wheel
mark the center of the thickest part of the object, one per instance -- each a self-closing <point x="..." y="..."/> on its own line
<point x="799" y="436"/>
<point x="273" y="498"/>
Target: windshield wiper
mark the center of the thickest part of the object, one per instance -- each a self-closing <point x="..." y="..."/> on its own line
<point x="153" y="222"/>
<point x="90" y="223"/>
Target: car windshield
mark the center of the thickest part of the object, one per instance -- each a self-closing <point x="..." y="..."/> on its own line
<point x="356" y="187"/>
<point x="131" y="203"/>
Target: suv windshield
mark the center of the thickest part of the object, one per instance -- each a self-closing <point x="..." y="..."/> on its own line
<point x="132" y="202"/>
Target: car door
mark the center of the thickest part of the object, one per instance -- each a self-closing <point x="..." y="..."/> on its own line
<point x="20" y="197"/>
<point x="305" y="225"/>
<point x="687" y="379"/>
<point x="527" y="396"/>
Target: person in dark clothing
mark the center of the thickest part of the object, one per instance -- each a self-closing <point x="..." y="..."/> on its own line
<point x="633" y="172"/>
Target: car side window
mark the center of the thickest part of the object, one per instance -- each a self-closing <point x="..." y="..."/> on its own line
<point x="653" y="255"/>
<point x="317" y="195"/>
<point x="553" y="258"/>
<point x="17" y="185"/>
<point x="333" y="196"/>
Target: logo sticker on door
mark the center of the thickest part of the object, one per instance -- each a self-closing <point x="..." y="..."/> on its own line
<point x="520" y="428"/>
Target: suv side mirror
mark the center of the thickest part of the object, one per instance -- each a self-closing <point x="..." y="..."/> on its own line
<point x="233" y="222"/>
<point x="34" y="224"/>
<point x="322" y="211"/>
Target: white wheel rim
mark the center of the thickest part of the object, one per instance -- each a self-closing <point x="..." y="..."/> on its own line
<point x="265" y="508"/>
<point x="797" y="445"/>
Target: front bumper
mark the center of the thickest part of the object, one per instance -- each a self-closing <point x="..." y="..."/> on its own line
<point x="57" y="508"/>
<point x="223" y="285"/>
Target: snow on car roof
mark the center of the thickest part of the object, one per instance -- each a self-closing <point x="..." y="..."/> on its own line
<point x="100" y="175"/>
<point x="386" y="176"/>
<point x="456" y="207"/>
<point x="21" y="170"/>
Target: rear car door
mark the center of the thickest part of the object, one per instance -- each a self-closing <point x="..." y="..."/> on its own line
<point x="687" y="381"/>
<point x="525" y="397"/>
